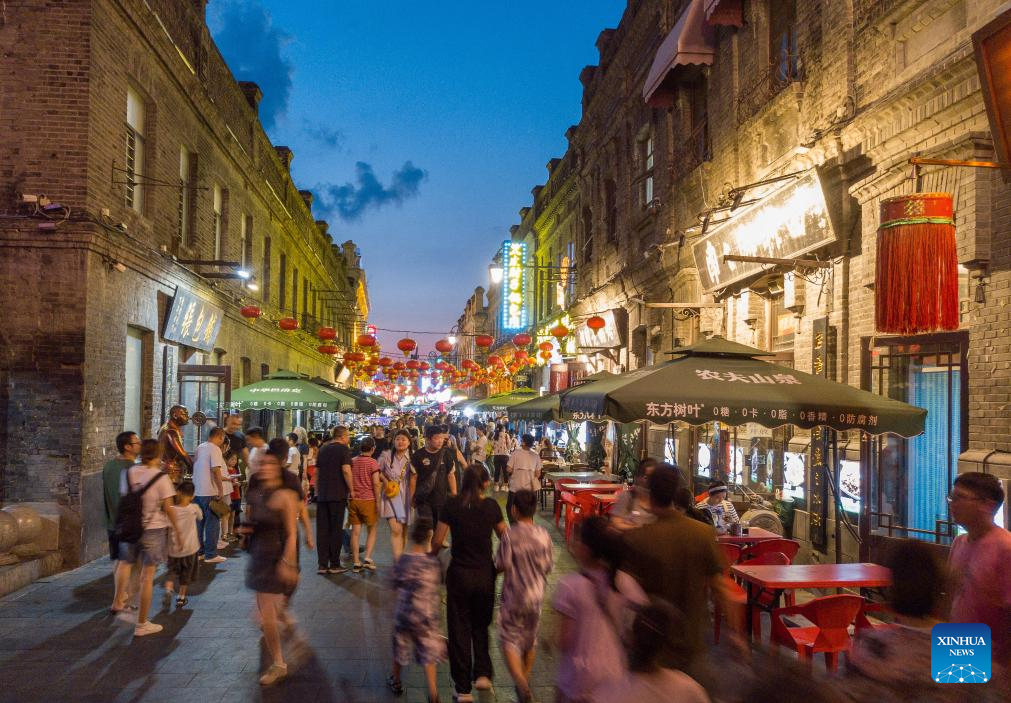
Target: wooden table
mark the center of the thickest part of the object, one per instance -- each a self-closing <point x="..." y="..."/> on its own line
<point x="776" y="579"/>
<point x="755" y="534"/>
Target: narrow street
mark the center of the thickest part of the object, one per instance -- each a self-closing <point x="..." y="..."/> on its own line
<point x="58" y="641"/>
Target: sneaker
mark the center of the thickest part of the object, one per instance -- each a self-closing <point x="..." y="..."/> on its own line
<point x="148" y="628"/>
<point x="127" y="615"/>
<point x="337" y="570"/>
<point x="370" y="565"/>
<point x="463" y="697"/>
<point x="274" y="674"/>
<point x="215" y="560"/>
<point x="483" y="683"/>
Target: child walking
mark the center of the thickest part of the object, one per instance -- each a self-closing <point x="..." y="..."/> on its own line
<point x="182" y="563"/>
<point x="416" y="578"/>
<point x="524" y="556"/>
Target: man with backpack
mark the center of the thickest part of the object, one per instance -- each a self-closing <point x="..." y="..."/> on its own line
<point x="113" y="485"/>
<point x="434" y="477"/>
<point x="142" y="526"/>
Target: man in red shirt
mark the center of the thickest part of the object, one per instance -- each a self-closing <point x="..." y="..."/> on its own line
<point x="363" y="482"/>
<point x="978" y="562"/>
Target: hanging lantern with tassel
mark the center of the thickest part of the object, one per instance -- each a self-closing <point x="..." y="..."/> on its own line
<point x="916" y="287"/>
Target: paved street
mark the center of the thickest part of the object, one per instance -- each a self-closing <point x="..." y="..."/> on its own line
<point x="58" y="642"/>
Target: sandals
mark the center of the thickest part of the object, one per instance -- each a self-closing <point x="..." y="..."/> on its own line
<point x="370" y="565"/>
<point x="395" y="685"/>
<point x="273" y="675"/>
<point x="181" y="601"/>
<point x="357" y="568"/>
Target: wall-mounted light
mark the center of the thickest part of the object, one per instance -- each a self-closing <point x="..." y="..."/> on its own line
<point x="451" y="339"/>
<point x="495" y="272"/>
<point x="251" y="283"/>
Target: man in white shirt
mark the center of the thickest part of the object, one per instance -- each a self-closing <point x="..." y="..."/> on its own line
<point x="208" y="466"/>
<point x="257" y="446"/>
<point x="524" y="470"/>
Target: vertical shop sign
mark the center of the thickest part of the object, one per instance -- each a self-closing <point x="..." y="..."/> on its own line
<point x="818" y="499"/>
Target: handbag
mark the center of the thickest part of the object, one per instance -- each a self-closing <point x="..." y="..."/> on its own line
<point x="219" y="507"/>
<point x="391" y="489"/>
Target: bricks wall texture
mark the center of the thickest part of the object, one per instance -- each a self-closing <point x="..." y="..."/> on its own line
<point x="63" y="97"/>
<point x="878" y="81"/>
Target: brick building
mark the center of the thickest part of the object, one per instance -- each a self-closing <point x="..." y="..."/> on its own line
<point x="702" y="115"/>
<point x="124" y="118"/>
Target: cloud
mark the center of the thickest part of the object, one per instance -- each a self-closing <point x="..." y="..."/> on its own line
<point x="350" y="201"/>
<point x="252" y="47"/>
<point x="324" y="134"/>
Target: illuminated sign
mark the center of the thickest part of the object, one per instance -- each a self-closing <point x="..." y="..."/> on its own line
<point x="192" y="321"/>
<point x="514" y="312"/>
<point x="787" y="223"/>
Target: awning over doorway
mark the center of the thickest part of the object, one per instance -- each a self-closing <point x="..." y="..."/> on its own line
<point x="688" y="44"/>
<point x="719" y="380"/>
<point x="287" y="390"/>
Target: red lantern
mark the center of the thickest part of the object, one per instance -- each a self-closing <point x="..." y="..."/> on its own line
<point x="916" y="287"/>
<point x="399" y="366"/>
<point x="328" y="349"/>
<point x="385" y="362"/>
<point x="546" y="355"/>
<point x="250" y="312"/>
<point x="443" y="346"/>
<point x="596" y="323"/>
<point x="413" y="364"/>
<point x="366" y="340"/>
<point x="354" y="357"/>
<point x="484" y="341"/>
<point x="546" y="346"/>
<point x="425" y="366"/>
<point x="560" y="332"/>
<point x="407" y="345"/>
<point x="468" y="364"/>
<point x="522" y="339"/>
<point x="288" y="324"/>
<point x="521" y="354"/>
<point x="495" y="360"/>
<point x="326" y="333"/>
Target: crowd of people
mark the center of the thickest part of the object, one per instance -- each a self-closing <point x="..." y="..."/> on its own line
<point x="633" y="619"/>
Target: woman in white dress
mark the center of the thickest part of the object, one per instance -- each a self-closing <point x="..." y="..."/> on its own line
<point x="395" y="470"/>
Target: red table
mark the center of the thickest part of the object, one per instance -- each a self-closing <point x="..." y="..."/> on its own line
<point x="598" y="487"/>
<point x="793" y="576"/>
<point x="755" y="534"/>
<point x="603" y="500"/>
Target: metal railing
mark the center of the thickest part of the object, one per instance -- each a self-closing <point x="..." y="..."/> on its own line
<point x="779" y="75"/>
<point x="692" y="151"/>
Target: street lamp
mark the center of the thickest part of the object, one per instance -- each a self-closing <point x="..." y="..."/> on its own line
<point x="495" y="271"/>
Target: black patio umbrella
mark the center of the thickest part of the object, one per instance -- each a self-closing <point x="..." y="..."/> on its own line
<point x="546" y="408"/>
<point x="720" y="380"/>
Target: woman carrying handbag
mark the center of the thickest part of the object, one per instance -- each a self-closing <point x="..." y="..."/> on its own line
<point x="395" y="472"/>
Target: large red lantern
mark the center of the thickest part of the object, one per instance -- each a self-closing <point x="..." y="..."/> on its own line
<point x="288" y="324"/>
<point x="250" y="312"/>
<point x="484" y="341"/>
<point x="521" y="354"/>
<point x="444" y="346"/>
<point x="425" y="366"/>
<point x="495" y="360"/>
<point x="596" y="323"/>
<point x="413" y="364"/>
<point x="916" y="287"/>
<point x="366" y="340"/>
<point x="354" y="356"/>
<point x="399" y="366"/>
<point x="407" y="345"/>
<point x="560" y="332"/>
<point x="546" y="346"/>
<point x="522" y="339"/>
<point x="385" y="362"/>
<point x="328" y="349"/>
<point x="326" y="333"/>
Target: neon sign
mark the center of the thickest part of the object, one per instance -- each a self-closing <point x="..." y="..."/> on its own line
<point x="514" y="312"/>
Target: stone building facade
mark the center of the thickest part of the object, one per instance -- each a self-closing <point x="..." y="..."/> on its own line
<point x="124" y="118"/>
<point x="702" y="111"/>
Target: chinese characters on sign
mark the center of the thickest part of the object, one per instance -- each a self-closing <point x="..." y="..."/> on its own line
<point x="192" y="321"/>
<point x="514" y="312"/>
<point x="732" y="377"/>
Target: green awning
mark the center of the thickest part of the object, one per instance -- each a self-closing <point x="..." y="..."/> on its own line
<point x="547" y="408"/>
<point x="719" y="380"/>
<point x="286" y="390"/>
<point x="361" y="402"/>
<point x="502" y="401"/>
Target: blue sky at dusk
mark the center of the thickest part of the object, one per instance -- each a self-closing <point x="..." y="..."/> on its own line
<point x="420" y="127"/>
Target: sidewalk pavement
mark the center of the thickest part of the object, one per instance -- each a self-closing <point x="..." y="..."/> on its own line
<point x="58" y="641"/>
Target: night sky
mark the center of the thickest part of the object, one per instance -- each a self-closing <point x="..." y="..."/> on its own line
<point x="419" y="127"/>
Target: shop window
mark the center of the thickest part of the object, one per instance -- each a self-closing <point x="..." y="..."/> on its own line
<point x="782" y="326"/>
<point x="187" y="179"/>
<point x="135" y="150"/>
<point x="911" y="477"/>
<point x="133" y="406"/>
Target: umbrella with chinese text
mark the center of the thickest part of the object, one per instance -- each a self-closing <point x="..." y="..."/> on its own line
<point x="285" y="390"/>
<point x="719" y="380"/>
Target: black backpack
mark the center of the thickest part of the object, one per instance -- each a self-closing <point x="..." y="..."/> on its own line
<point x="130" y="513"/>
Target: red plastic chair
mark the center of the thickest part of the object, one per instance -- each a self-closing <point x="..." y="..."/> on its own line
<point x="736" y="597"/>
<point x="865" y="623"/>
<point x="831" y="618"/>
<point x="789" y="547"/>
<point x="763" y="598"/>
<point x="580" y="506"/>
<point x="558" y="503"/>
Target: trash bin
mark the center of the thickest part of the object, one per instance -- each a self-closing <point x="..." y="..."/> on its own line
<point x="785" y="508"/>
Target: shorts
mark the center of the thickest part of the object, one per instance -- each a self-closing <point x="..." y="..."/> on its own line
<point x="518" y="631"/>
<point x="151" y="550"/>
<point x="428" y="643"/>
<point x="183" y="569"/>
<point x="237" y="505"/>
<point x="363" y="512"/>
<point x="113" y="545"/>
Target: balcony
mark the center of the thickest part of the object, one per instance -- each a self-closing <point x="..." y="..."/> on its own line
<point x="692" y="151"/>
<point x="774" y="81"/>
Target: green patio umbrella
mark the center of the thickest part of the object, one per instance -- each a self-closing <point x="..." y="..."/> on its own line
<point x="546" y="408"/>
<point x="360" y="402"/>
<point x="287" y="390"/>
<point x="719" y="380"/>
<point x="502" y="401"/>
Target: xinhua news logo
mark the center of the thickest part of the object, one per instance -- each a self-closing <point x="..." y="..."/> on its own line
<point x="960" y="653"/>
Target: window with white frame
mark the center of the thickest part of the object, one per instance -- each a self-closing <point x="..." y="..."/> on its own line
<point x="218" y="205"/>
<point x="134" y="150"/>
